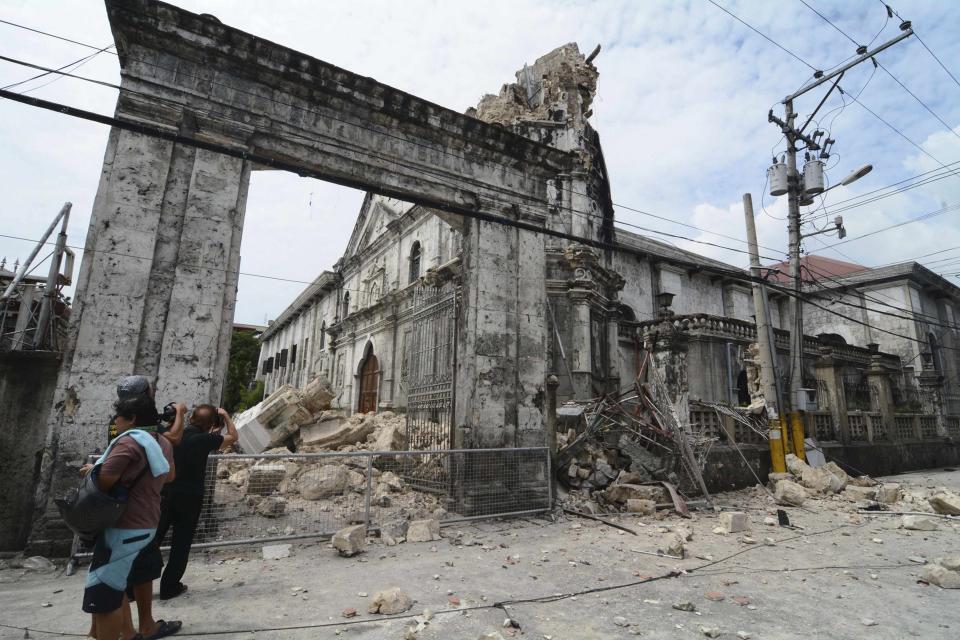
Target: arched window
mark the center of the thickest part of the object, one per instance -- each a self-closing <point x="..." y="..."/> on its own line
<point x="935" y="352"/>
<point x="415" y="261"/>
<point x="323" y="335"/>
<point x="626" y="313"/>
<point x="345" y="310"/>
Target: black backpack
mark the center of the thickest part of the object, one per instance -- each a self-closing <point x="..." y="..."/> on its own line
<point x="88" y="511"/>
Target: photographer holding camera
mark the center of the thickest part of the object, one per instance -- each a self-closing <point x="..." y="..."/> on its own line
<point x="183" y="498"/>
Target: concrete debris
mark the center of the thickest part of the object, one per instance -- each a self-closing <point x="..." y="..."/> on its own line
<point x="620" y="621"/>
<point x="302" y="417"/>
<point x="264" y="478"/>
<point x="919" y="523"/>
<point x="945" y="503"/>
<point x="271" y="507"/>
<point x="858" y="493"/>
<point x="390" y="602"/>
<point x="888" y="493"/>
<point x="685" y="606"/>
<point x="37" y="563"/>
<point x="558" y="87"/>
<point x="276" y="551"/>
<point x="641" y="506"/>
<point x="949" y="562"/>
<point x="328" y="481"/>
<point x="734" y="521"/>
<point x="789" y="493"/>
<point x="710" y="632"/>
<point x="821" y="480"/>
<point x="673" y="545"/>
<point x="940" y="576"/>
<point x="795" y="465"/>
<point x="863" y="481"/>
<point x="350" y="541"/>
<point x="620" y="493"/>
<point x="423" y="531"/>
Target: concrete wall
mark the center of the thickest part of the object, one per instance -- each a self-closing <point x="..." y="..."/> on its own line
<point x="375" y="272"/>
<point x="27" y="383"/>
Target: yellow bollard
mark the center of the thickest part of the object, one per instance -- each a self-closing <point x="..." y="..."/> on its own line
<point x="777" y="461"/>
<point x="796" y="428"/>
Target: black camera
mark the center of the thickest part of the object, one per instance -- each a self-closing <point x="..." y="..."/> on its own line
<point x="169" y="413"/>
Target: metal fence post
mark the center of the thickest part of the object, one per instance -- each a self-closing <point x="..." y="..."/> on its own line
<point x="369" y="491"/>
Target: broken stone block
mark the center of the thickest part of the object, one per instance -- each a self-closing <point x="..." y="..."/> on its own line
<point x="38" y="563"/>
<point x="858" y="493"/>
<point x="391" y="480"/>
<point x="336" y="431"/>
<point x="390" y="438"/>
<point x="863" y="481"/>
<point x="919" y="523"/>
<point x="265" y="478"/>
<point x="356" y="481"/>
<point x="835" y="469"/>
<point x="350" y="541"/>
<point x="673" y="545"/>
<point x="775" y="477"/>
<point x="317" y="395"/>
<point x="330" y="480"/>
<point x="945" y="503"/>
<point x="272" y="507"/>
<point x="789" y="493"/>
<point x="276" y="551"/>
<point x="795" y="465"/>
<point x="390" y="602"/>
<point x="949" y="562"/>
<point x="888" y="493"/>
<point x="423" y="530"/>
<point x="734" y="521"/>
<point x="940" y="576"/>
<point x="821" y="480"/>
<point x="641" y="506"/>
<point x="396" y="529"/>
<point x="623" y="492"/>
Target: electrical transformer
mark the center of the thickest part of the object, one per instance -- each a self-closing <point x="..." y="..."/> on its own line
<point x="813" y="177"/>
<point x="777" y="177"/>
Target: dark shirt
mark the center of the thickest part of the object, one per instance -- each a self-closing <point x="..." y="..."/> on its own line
<point x="191" y="458"/>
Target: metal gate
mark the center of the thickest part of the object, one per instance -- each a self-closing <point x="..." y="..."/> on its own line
<point x="431" y="364"/>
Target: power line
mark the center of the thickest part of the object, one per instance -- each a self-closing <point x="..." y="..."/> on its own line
<point x="891" y="12"/>
<point x="925" y="216"/>
<point x="182" y="72"/>
<point x="844" y="33"/>
<point x="763" y="35"/>
<point x="922" y="103"/>
<point x="536" y="203"/>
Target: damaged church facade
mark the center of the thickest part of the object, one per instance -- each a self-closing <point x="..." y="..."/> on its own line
<point x="484" y="282"/>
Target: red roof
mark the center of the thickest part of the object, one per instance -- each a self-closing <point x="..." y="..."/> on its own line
<point x="815" y="267"/>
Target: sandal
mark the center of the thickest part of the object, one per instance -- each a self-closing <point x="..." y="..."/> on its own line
<point x="181" y="589"/>
<point x="165" y="629"/>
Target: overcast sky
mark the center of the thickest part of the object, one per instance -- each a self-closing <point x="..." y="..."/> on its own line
<point x="681" y="108"/>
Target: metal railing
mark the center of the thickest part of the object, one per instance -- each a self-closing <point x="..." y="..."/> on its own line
<point x="275" y="497"/>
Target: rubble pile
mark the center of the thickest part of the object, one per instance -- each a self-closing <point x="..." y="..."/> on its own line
<point x="624" y="453"/>
<point x="301" y="419"/>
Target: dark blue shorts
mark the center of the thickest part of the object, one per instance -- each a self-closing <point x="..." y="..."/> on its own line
<point x="113" y="556"/>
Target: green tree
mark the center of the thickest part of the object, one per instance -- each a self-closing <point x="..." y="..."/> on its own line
<point x="241" y="370"/>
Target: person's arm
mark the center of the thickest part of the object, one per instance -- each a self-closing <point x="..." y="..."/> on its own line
<point x="230" y="437"/>
<point x="172" y="474"/>
<point x="124" y="453"/>
<point x="175" y="433"/>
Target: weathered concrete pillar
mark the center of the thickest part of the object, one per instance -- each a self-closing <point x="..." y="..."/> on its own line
<point x="826" y="369"/>
<point x="581" y="349"/>
<point x="930" y="382"/>
<point x="155" y="296"/>
<point x="879" y="380"/>
<point x="502" y="338"/>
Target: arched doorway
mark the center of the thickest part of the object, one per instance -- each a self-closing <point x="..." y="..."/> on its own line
<point x="369" y="382"/>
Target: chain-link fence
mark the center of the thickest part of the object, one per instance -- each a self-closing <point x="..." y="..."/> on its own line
<point x="272" y="497"/>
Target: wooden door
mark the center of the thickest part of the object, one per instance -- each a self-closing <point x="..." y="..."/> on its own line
<point x="369" y="381"/>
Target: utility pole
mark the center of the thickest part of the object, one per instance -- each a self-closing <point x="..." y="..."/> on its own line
<point x="766" y="347"/>
<point x="799" y="189"/>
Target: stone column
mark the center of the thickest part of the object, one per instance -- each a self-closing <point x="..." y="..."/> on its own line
<point x="155" y="296"/>
<point x="581" y="349"/>
<point x="878" y="379"/>
<point x="501" y="338"/>
<point x="826" y="369"/>
<point x="931" y="392"/>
